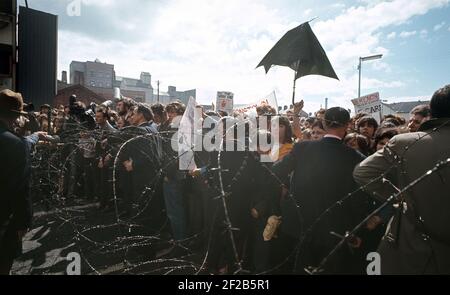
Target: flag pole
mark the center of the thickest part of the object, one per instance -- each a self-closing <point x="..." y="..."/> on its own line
<point x="293" y="91"/>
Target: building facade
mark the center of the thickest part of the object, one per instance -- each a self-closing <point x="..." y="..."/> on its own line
<point x="173" y="94"/>
<point x="402" y="109"/>
<point x="101" y="79"/>
<point x="141" y="87"/>
<point x="92" y="74"/>
<point x="84" y="94"/>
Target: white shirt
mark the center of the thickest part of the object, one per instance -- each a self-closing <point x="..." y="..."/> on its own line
<point x="332" y="136"/>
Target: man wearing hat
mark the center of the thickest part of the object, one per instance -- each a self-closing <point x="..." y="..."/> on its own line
<point x="322" y="176"/>
<point x="15" y="203"/>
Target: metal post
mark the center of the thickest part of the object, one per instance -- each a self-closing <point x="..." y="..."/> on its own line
<point x="359" y="84"/>
<point x="293" y="91"/>
<point x="158" y="91"/>
<point x="14" y="46"/>
<point x="49" y="115"/>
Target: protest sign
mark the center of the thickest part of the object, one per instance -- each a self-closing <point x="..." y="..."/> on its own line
<point x="370" y="104"/>
<point x="225" y="101"/>
<point x="270" y="99"/>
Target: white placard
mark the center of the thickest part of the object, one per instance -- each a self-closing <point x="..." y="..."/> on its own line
<point x="270" y="99"/>
<point x="370" y="104"/>
<point x="225" y="101"/>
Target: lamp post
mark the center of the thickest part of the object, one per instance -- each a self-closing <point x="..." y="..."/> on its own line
<point x="361" y="59"/>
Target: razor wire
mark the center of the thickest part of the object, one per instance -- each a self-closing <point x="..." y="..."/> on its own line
<point x="124" y="241"/>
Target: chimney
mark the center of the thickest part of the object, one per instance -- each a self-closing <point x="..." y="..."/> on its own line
<point x="64" y="77"/>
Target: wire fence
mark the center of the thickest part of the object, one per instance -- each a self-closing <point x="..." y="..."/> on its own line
<point x="114" y="242"/>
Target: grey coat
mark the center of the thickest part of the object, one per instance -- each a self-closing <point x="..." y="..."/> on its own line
<point x="418" y="237"/>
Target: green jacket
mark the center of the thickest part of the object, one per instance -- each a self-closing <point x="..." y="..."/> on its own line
<point x="418" y="237"/>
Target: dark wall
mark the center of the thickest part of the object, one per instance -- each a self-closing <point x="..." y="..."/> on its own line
<point x="6" y="60"/>
<point x="6" y="6"/>
<point x="37" y="68"/>
<point x="7" y="29"/>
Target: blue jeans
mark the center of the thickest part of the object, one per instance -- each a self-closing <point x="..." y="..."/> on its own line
<point x="173" y="198"/>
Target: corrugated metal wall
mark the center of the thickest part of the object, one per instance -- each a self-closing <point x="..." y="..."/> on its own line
<point x="6" y="6"/>
<point x="7" y="44"/>
<point x="38" y="51"/>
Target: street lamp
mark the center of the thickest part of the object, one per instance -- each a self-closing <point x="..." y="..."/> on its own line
<point x="361" y="59"/>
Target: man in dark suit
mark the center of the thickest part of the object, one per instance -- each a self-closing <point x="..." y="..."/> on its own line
<point x="141" y="157"/>
<point x="322" y="176"/>
<point x="15" y="203"/>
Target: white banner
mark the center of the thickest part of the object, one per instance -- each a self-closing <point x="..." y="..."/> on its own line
<point x="270" y="99"/>
<point x="186" y="136"/>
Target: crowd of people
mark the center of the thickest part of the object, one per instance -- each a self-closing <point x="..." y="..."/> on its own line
<point x="280" y="217"/>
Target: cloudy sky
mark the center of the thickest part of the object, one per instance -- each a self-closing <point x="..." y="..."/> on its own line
<point x="215" y="45"/>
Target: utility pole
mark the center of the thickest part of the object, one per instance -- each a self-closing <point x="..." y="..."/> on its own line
<point x="359" y="81"/>
<point x="158" y="90"/>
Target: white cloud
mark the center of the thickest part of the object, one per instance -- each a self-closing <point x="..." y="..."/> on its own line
<point x="423" y="34"/>
<point x="391" y="35"/>
<point x="101" y="3"/>
<point x="406" y="34"/>
<point x="357" y="21"/>
<point x="374" y="83"/>
<point x="381" y="66"/>
<point x="439" y="26"/>
<point x="338" y="5"/>
<point x="215" y="45"/>
<point x="307" y="12"/>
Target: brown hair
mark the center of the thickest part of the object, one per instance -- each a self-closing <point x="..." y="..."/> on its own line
<point x="287" y="124"/>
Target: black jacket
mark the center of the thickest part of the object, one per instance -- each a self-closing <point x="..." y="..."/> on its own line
<point x="322" y="176"/>
<point x="15" y="200"/>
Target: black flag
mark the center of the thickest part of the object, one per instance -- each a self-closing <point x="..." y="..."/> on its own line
<point x="300" y="50"/>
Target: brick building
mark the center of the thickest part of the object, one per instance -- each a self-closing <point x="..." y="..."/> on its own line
<point x="83" y="94"/>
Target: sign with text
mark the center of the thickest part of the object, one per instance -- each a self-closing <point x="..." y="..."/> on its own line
<point x="225" y="101"/>
<point x="270" y="99"/>
<point x="370" y="104"/>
